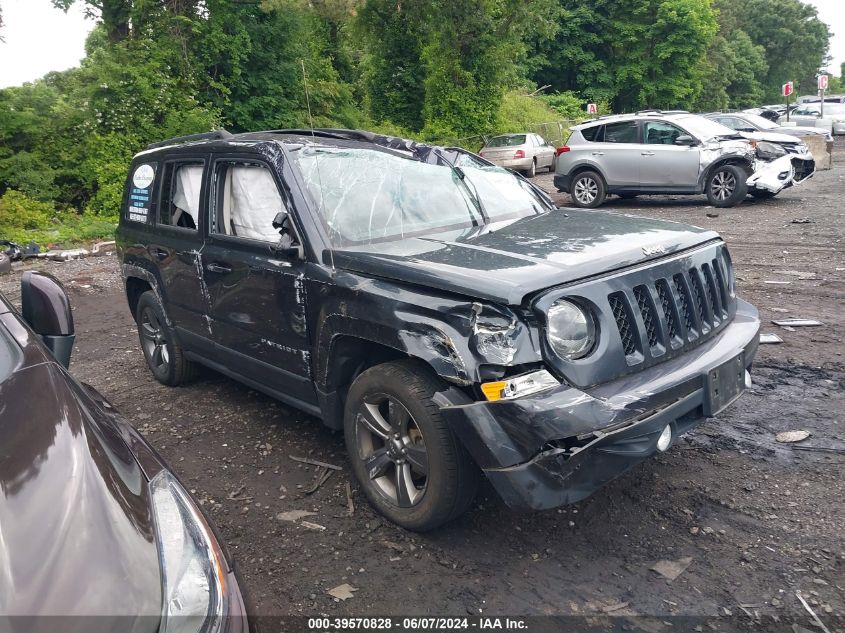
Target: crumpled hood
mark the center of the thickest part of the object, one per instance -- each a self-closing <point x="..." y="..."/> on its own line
<point x="506" y="261"/>
<point x="771" y="137"/>
<point x="76" y="535"/>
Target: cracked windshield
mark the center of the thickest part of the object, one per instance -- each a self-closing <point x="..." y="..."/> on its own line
<point x="365" y="195"/>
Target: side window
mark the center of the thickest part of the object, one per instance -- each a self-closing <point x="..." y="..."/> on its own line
<point x="591" y="133"/>
<point x="660" y="133"/>
<point x="180" y="194"/>
<point x="247" y="201"/>
<point x="622" y="132"/>
<point x="138" y="192"/>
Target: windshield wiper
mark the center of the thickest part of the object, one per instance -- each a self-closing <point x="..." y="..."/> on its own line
<point x="473" y="193"/>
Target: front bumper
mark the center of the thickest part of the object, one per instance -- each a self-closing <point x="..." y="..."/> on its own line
<point x="782" y="172"/>
<point x="560" y="446"/>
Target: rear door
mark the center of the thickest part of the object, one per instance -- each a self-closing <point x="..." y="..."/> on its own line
<point x="664" y="164"/>
<point x="618" y="153"/>
<point x="257" y="293"/>
<point x="545" y="152"/>
<point x="175" y="246"/>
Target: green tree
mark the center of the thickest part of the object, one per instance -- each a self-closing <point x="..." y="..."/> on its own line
<point x="795" y="40"/>
<point x="636" y="53"/>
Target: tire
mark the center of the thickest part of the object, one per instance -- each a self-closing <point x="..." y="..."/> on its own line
<point x="762" y="194"/>
<point x="389" y="410"/>
<point x="163" y="354"/>
<point x="553" y="166"/>
<point x="726" y="186"/>
<point x="588" y="190"/>
<point x="531" y="171"/>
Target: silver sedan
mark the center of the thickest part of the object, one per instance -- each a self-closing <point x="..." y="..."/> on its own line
<point x="523" y="152"/>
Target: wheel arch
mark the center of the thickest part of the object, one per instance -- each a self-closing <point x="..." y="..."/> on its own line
<point x="735" y="159"/>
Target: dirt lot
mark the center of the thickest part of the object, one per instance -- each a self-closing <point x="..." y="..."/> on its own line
<point x="759" y="520"/>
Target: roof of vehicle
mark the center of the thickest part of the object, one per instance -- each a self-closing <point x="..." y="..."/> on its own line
<point x="642" y="114"/>
<point x="295" y="135"/>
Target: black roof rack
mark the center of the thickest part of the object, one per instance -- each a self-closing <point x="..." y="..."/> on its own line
<point x="216" y="135"/>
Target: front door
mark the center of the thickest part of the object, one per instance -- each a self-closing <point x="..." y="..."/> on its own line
<point x="664" y="165"/>
<point x="257" y="293"/>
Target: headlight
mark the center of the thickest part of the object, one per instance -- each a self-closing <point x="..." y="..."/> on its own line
<point x="193" y="576"/>
<point x="571" y="330"/>
<point x="769" y="151"/>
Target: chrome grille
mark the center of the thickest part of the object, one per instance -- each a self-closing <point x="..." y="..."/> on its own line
<point x="668" y="305"/>
<point x="647" y="312"/>
<point x="673" y="311"/>
<point x="623" y="323"/>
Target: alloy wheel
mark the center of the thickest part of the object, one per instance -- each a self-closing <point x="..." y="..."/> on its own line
<point x="391" y="446"/>
<point x="153" y="340"/>
<point x="586" y="190"/>
<point x="723" y="185"/>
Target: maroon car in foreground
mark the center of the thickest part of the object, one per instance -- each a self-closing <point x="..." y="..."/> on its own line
<point x="93" y="526"/>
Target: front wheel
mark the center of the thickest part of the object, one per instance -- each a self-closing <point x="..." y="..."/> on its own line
<point x="588" y="190"/>
<point x="411" y="467"/>
<point x="726" y="186"/>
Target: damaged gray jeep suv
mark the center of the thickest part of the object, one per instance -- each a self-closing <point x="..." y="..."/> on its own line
<point x="438" y="309"/>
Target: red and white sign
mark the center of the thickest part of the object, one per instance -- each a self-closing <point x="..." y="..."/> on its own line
<point x="592" y="108"/>
<point x="823" y="82"/>
<point x="787" y="89"/>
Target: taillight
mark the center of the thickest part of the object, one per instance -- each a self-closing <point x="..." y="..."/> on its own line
<point x="561" y="150"/>
<point x="519" y="154"/>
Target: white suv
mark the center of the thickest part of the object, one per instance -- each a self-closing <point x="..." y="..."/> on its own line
<point x="655" y="152"/>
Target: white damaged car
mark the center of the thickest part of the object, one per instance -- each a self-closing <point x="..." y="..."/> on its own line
<point x="654" y="152"/>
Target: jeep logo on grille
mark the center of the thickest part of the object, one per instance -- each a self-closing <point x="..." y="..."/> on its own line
<point x="648" y="251"/>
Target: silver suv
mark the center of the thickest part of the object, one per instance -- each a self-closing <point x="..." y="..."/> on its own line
<point x="657" y="152"/>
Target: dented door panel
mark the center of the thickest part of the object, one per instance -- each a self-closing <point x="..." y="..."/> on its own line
<point x="258" y="311"/>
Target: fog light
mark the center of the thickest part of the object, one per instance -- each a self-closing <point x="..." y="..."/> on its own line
<point x="665" y="439"/>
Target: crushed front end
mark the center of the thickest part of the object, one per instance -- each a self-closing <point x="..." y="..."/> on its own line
<point x="780" y="166"/>
<point x="673" y="346"/>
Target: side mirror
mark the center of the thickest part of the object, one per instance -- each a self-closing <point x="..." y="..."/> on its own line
<point x="685" y="139"/>
<point x="46" y="309"/>
<point x="287" y="245"/>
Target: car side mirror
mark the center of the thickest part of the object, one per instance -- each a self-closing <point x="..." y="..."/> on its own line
<point x="46" y="309"/>
<point x="287" y="245"/>
<point x="685" y="139"/>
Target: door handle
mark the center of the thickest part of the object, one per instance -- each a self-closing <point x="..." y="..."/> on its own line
<point x="647" y="153"/>
<point x="158" y="253"/>
<point x="598" y="153"/>
<point x="217" y="268"/>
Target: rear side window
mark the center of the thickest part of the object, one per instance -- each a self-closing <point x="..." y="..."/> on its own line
<point x="139" y="187"/>
<point x="622" y="132"/>
<point x="180" y="194"/>
<point x="591" y="134"/>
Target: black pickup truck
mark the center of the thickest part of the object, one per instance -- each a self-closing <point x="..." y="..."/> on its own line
<point x="440" y="310"/>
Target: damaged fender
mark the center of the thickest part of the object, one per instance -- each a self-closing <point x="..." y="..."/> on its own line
<point x="773" y="176"/>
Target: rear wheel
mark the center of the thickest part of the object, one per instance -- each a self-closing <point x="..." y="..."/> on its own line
<point x="411" y="467"/>
<point x="726" y="186"/>
<point x="532" y="171"/>
<point x="588" y="190"/>
<point x="163" y="354"/>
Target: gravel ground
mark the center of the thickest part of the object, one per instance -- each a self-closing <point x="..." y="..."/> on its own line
<point x="759" y="520"/>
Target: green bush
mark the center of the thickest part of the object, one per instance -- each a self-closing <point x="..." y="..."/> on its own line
<point x="24" y="220"/>
<point x="18" y="212"/>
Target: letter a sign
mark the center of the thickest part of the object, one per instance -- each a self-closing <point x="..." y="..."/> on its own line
<point x="592" y="108"/>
